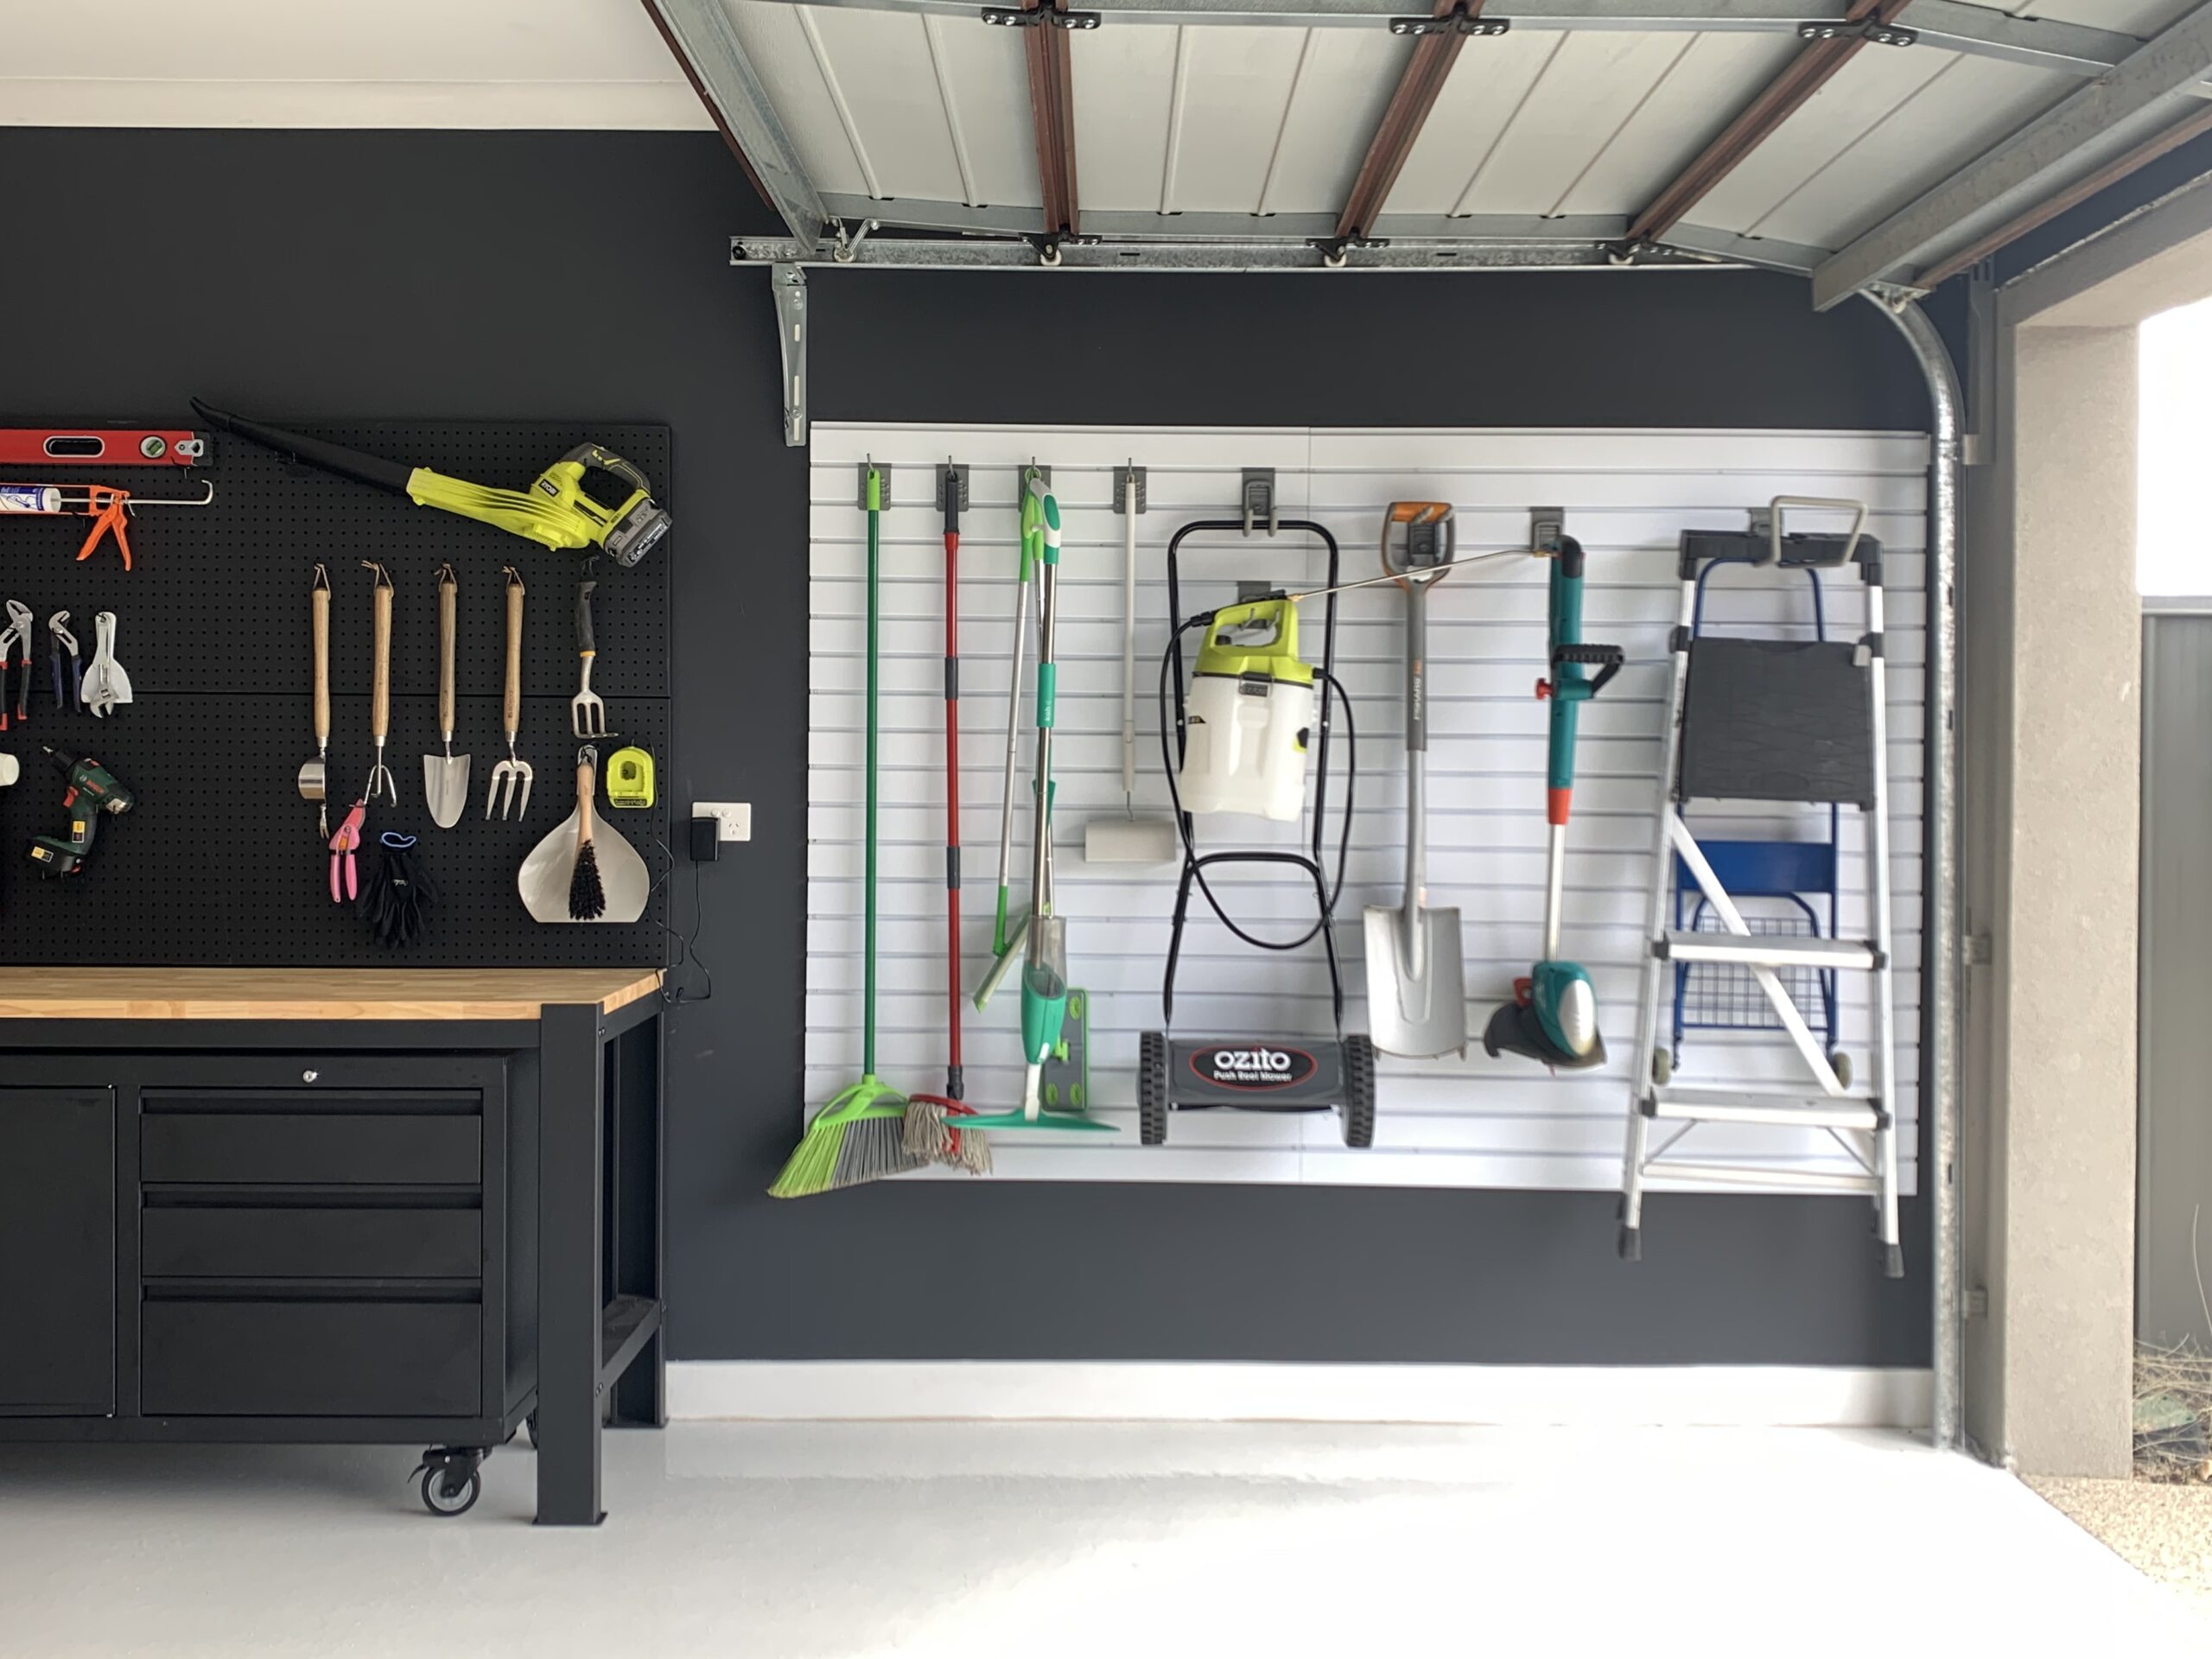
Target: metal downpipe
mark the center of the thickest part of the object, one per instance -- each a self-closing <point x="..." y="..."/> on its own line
<point x="1942" y="963"/>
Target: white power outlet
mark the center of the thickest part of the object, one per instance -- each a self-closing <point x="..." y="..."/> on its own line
<point x="736" y="817"/>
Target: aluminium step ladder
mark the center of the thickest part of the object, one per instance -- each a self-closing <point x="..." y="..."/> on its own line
<point x="1770" y="719"/>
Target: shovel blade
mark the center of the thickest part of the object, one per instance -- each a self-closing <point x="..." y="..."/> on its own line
<point x="1421" y="1016"/>
<point x="445" y="788"/>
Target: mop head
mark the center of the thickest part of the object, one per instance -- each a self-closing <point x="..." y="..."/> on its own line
<point x="860" y="1136"/>
<point x="933" y="1131"/>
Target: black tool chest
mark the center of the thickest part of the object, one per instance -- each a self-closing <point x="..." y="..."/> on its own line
<point x="303" y="1246"/>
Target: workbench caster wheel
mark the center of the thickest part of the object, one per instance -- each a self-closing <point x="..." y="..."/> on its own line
<point x="1151" y="1089"/>
<point x="1359" y="1093"/>
<point x="451" y="1483"/>
<point x="529" y="1430"/>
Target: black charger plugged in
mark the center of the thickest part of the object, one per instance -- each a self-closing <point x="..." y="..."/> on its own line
<point x="706" y="839"/>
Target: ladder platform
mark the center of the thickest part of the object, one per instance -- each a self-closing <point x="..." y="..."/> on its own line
<point x="1793" y="1181"/>
<point x="1768" y="950"/>
<point x="1724" y="1105"/>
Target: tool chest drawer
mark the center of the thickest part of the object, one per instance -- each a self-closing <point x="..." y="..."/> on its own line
<point x="310" y="1239"/>
<point x="311" y="1358"/>
<point x="221" y="1139"/>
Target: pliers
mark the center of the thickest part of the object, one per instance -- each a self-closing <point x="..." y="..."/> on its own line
<point x="343" y="845"/>
<point x="16" y="638"/>
<point x="68" y="690"/>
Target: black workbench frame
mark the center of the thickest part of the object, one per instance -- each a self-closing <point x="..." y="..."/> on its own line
<point x="600" y="1266"/>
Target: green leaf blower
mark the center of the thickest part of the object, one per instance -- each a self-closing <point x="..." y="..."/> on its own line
<point x="554" y="511"/>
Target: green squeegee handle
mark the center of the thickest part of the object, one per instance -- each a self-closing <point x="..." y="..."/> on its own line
<point x="868" y="969"/>
<point x="1569" y="687"/>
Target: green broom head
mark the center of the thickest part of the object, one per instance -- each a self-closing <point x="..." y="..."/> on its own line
<point x="859" y="1136"/>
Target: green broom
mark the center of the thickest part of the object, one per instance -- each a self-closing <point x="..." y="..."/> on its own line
<point x="861" y="1136"/>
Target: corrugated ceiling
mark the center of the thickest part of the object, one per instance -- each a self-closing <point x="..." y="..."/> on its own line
<point x="930" y="115"/>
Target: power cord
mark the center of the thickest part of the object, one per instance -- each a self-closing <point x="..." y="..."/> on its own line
<point x="674" y="995"/>
<point x="1170" y="763"/>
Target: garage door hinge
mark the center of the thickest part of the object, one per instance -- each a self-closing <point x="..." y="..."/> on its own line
<point x="1457" y="20"/>
<point x="1046" y="14"/>
<point x="1872" y="32"/>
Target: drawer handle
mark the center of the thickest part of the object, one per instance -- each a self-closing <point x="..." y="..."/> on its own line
<point x="309" y="1076"/>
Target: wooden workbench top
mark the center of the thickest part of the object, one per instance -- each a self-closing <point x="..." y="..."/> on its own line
<point x="313" y="993"/>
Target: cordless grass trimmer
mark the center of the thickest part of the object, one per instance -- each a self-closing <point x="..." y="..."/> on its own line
<point x="554" y="511"/>
<point x="1553" y="1017"/>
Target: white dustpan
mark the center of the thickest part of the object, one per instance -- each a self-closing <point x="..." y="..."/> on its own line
<point x="543" y="879"/>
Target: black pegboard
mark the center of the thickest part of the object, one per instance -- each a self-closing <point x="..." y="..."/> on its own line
<point x="219" y="862"/>
<point x="217" y="600"/>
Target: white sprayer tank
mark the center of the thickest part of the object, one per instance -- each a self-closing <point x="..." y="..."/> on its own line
<point x="1248" y="716"/>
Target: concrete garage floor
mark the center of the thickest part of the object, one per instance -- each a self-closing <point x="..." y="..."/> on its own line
<point x="2161" y="1530"/>
<point x="1139" y="1541"/>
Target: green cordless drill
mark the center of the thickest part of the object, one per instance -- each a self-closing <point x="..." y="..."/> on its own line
<point x="91" y="789"/>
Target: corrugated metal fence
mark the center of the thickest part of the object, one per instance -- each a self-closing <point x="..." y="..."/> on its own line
<point x="1448" y="1123"/>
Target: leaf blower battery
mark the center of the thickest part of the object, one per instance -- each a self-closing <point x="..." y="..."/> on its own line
<point x="1250" y="714"/>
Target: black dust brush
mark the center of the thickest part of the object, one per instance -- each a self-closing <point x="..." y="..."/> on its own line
<point x="587" y="892"/>
<point x="398" y="898"/>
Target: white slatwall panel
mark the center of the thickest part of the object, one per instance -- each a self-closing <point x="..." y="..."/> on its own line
<point x="1449" y="1122"/>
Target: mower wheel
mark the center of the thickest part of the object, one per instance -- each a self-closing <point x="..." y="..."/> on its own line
<point x="1359" y="1093"/>
<point x="1151" y="1089"/>
<point x="1839" y="1063"/>
<point x="1662" y="1066"/>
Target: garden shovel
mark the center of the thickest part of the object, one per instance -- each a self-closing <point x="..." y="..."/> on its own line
<point x="445" y="778"/>
<point x="1416" y="975"/>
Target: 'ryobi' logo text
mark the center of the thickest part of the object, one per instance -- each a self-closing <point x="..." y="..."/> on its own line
<point x="1257" y="1067"/>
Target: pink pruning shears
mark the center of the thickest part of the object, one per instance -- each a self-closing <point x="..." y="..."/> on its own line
<point x="342" y="848"/>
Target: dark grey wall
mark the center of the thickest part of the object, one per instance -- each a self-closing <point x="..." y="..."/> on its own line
<point x="461" y="274"/>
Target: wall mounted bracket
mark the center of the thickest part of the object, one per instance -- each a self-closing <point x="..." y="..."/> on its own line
<point x="1258" y="498"/>
<point x="1547" y="529"/>
<point x="1124" y="476"/>
<point x="956" y="473"/>
<point x="860" y="470"/>
<point x="788" y="284"/>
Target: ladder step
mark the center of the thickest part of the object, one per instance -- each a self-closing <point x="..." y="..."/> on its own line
<point x="1798" y="1180"/>
<point x="1735" y="1106"/>
<point x="1768" y="950"/>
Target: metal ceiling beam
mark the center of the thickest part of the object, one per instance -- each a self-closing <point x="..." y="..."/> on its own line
<point x="1782" y="97"/>
<point x="713" y="60"/>
<point x="2072" y="196"/>
<point x="1395" y="135"/>
<point x="1977" y="31"/>
<point x="1305" y="230"/>
<point x="2112" y="126"/>
<point x="952" y="253"/>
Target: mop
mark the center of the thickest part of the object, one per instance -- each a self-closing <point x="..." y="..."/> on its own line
<point x="860" y="1135"/>
<point x="936" y="1125"/>
<point x="1043" y="938"/>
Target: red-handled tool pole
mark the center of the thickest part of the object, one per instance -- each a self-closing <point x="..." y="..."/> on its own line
<point x="953" y="1083"/>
